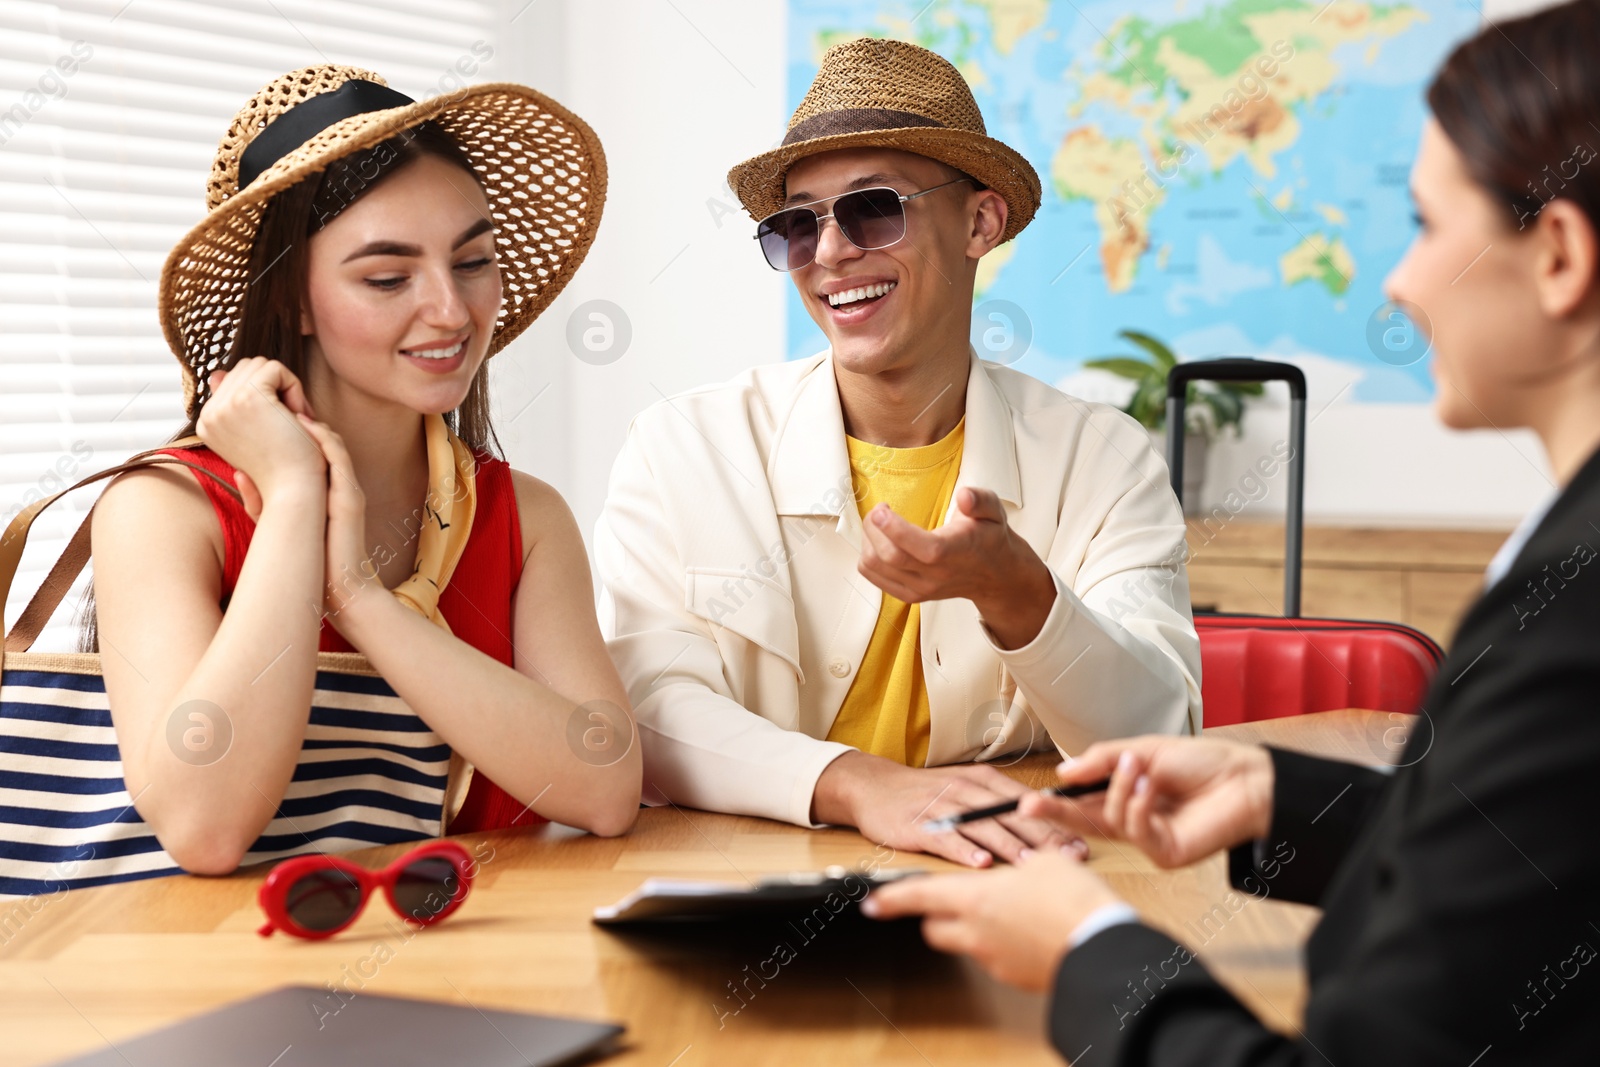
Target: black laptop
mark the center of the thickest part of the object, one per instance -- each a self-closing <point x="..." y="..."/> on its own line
<point x="304" y="1026"/>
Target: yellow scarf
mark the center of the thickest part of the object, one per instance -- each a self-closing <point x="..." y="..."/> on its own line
<point x="448" y="510"/>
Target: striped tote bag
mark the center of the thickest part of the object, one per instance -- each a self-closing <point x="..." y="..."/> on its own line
<point x="371" y="772"/>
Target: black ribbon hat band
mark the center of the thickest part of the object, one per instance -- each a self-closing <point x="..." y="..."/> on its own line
<point x="310" y="117"/>
<point x="855" y="120"/>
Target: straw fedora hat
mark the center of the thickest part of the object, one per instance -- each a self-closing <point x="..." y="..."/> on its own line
<point x="540" y="165"/>
<point x="880" y="93"/>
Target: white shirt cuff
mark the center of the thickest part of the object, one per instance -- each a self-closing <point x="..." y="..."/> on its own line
<point x="1106" y="915"/>
<point x="1044" y="643"/>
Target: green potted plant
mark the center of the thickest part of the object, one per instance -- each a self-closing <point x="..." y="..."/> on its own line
<point x="1211" y="407"/>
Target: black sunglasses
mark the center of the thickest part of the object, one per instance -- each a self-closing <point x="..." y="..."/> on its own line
<point x="869" y="219"/>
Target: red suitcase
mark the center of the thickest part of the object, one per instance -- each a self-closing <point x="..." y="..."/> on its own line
<point x="1265" y="667"/>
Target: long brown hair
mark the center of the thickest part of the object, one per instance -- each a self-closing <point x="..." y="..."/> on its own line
<point x="269" y="321"/>
<point x="1517" y="100"/>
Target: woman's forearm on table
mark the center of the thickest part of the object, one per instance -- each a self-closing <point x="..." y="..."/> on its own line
<point x="512" y="727"/>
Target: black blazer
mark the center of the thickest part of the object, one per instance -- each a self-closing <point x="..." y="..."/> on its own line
<point x="1460" y="896"/>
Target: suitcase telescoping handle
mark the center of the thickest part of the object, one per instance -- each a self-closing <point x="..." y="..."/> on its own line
<point x="1249" y="370"/>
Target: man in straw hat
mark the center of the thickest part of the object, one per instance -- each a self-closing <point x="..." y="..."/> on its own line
<point x="828" y="580"/>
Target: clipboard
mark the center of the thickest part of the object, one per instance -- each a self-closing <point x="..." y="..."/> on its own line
<point x="674" y="900"/>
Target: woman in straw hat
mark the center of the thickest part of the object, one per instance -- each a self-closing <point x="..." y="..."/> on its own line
<point x="362" y="257"/>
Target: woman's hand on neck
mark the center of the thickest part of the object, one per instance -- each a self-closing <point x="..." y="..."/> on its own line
<point x="386" y="441"/>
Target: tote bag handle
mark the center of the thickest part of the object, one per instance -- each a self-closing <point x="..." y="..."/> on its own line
<point x="21" y="637"/>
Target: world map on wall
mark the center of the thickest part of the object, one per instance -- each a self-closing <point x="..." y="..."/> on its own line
<point x="1229" y="176"/>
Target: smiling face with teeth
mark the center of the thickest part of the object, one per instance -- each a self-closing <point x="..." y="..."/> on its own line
<point x="890" y="310"/>
<point x="403" y="291"/>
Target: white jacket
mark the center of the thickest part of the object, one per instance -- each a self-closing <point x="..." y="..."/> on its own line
<point x="732" y="606"/>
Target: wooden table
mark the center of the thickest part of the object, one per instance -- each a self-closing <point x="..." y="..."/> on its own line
<point x="103" y="965"/>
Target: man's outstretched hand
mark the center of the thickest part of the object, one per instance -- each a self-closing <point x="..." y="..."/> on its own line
<point x="976" y="556"/>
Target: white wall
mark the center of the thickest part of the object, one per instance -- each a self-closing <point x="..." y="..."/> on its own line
<point x="679" y="92"/>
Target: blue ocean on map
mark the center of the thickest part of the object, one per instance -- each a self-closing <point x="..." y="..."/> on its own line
<point x="1277" y="256"/>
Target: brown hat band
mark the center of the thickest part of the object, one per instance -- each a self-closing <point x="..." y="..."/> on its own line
<point x="855" y="120"/>
<point x="310" y="117"/>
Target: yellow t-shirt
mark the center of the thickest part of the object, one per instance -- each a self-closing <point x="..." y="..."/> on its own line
<point x="886" y="711"/>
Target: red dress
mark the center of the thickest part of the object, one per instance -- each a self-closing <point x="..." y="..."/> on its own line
<point x="476" y="601"/>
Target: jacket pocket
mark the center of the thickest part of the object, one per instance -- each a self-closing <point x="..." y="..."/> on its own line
<point x="755" y="609"/>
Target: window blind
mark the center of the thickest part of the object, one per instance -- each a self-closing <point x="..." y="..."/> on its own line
<point x="110" y="113"/>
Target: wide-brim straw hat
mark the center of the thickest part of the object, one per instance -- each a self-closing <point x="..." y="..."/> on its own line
<point x="541" y="167"/>
<point x="879" y="93"/>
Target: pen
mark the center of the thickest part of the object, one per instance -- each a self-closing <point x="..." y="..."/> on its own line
<point x="950" y="822"/>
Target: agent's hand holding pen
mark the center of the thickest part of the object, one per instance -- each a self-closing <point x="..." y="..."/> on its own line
<point x="1178" y="799"/>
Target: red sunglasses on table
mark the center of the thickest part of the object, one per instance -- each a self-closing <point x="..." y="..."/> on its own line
<point x="317" y="896"/>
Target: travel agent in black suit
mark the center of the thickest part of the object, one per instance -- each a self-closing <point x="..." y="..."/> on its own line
<point x="1461" y="895"/>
